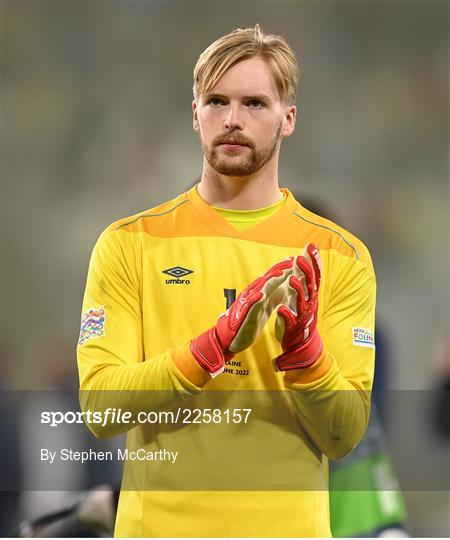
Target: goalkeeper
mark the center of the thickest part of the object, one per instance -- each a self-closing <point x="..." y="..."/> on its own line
<point x="296" y="293"/>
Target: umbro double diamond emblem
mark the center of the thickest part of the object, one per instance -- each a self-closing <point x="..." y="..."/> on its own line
<point x="176" y="273"/>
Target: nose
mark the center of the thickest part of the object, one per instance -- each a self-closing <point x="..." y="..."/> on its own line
<point x="232" y="119"/>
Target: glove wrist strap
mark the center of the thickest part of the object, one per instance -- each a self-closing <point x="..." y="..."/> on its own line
<point x="303" y="356"/>
<point x="208" y="352"/>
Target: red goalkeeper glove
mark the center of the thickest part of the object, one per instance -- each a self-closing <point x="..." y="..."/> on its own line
<point x="239" y="326"/>
<point x="296" y="326"/>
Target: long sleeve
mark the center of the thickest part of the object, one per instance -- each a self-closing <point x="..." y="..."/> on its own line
<point x="332" y="398"/>
<point x="112" y="368"/>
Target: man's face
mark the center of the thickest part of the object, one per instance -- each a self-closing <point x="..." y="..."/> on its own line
<point x="242" y="120"/>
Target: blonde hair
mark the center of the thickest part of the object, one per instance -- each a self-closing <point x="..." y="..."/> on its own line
<point x="239" y="45"/>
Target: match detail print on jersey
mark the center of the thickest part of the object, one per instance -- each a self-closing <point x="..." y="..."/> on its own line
<point x="92" y="324"/>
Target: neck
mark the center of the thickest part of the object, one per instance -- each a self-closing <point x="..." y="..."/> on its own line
<point x="240" y="192"/>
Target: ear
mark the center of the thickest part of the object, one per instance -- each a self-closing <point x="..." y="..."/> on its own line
<point x="290" y="117"/>
<point x="195" y="123"/>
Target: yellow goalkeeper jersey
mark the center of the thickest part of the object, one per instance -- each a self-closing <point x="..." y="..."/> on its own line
<point x="161" y="277"/>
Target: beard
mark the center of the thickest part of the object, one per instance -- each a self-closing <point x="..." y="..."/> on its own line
<point x="242" y="165"/>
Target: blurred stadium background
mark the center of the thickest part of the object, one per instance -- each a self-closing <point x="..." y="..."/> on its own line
<point x="96" y="125"/>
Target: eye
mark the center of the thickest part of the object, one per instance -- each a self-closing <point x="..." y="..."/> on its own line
<point x="255" y="104"/>
<point x="215" y="101"/>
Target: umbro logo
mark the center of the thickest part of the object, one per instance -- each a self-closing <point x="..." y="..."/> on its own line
<point x="178" y="272"/>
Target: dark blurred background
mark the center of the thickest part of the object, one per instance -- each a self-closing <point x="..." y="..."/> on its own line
<point x="96" y="125"/>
